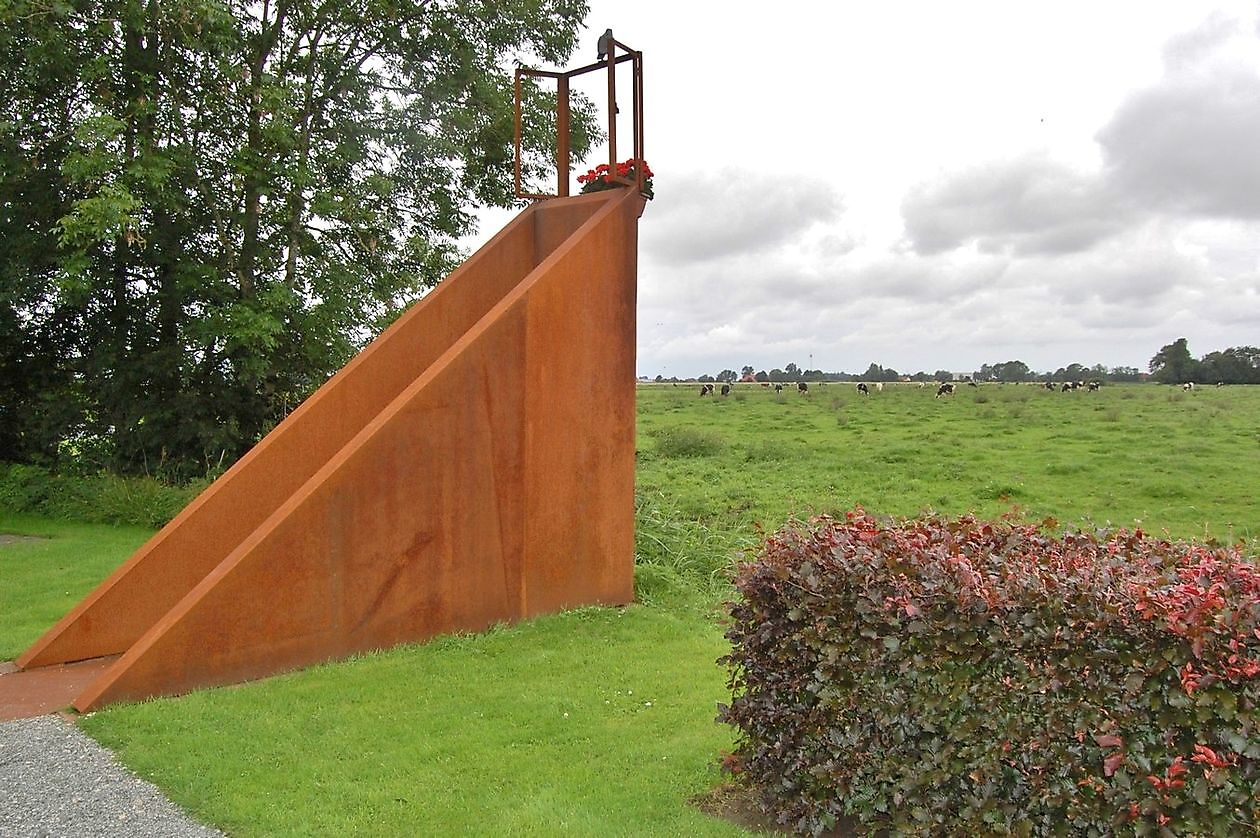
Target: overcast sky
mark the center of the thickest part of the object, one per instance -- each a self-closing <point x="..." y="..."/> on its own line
<point x="930" y="185"/>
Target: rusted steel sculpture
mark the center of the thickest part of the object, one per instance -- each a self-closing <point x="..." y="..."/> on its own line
<point x="474" y="464"/>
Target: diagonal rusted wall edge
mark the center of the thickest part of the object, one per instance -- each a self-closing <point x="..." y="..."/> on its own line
<point x="498" y="484"/>
<point x="117" y="612"/>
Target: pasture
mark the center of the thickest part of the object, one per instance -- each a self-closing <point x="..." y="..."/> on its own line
<point x="1136" y="455"/>
<point x="600" y="721"/>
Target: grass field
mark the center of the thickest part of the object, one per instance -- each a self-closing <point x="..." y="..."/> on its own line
<point x="1140" y="455"/>
<point x="601" y="721"/>
<point x="41" y="580"/>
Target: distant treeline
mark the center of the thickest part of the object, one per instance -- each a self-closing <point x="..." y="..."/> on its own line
<point x="1173" y="364"/>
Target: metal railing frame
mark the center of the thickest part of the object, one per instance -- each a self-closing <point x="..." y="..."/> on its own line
<point x="608" y="62"/>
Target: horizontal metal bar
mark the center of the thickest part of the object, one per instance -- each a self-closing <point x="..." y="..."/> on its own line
<point x="599" y="65"/>
<point x="551" y="74"/>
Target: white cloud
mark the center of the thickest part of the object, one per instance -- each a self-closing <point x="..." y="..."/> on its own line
<point x="730" y="212"/>
<point x="1028" y="205"/>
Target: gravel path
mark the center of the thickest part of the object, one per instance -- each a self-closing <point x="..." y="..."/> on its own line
<point x="57" y="781"/>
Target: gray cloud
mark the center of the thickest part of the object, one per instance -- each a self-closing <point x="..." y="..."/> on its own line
<point x="1029" y="205"/>
<point x="1189" y="145"/>
<point x="1189" y="49"/>
<point x="935" y="282"/>
<point x="725" y="214"/>
<point x="1135" y="271"/>
<point x="1184" y="147"/>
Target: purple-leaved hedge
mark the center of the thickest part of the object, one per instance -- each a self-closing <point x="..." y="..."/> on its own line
<point x="952" y="676"/>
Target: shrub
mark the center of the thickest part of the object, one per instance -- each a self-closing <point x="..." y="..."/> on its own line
<point x="976" y="678"/>
<point x="102" y="498"/>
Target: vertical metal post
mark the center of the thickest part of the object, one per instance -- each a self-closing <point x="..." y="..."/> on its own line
<point x="637" y="87"/>
<point x="517" y="165"/>
<point x="562" y="136"/>
<point x="612" y="107"/>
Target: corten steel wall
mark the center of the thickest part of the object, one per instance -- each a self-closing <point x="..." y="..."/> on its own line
<point x="474" y="464"/>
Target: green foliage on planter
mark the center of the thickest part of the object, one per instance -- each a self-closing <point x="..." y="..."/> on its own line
<point x="967" y="677"/>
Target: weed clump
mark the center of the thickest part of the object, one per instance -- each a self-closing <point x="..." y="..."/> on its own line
<point x="684" y="441"/>
<point x="678" y="559"/>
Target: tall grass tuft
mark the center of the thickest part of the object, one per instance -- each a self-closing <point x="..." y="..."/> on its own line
<point x="678" y="560"/>
<point x="685" y="441"/>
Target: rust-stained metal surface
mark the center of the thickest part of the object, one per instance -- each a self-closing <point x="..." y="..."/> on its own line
<point x="26" y="693"/>
<point x="474" y="464"/>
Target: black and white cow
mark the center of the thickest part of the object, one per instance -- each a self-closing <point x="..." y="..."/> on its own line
<point x="946" y="389"/>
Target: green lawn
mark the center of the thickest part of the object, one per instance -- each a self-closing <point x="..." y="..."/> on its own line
<point x="470" y="735"/>
<point x="593" y="722"/>
<point x="41" y="580"/>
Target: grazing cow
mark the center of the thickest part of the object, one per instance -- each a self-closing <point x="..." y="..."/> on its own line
<point x="879" y="386"/>
<point x="778" y="388"/>
<point x="1220" y="384"/>
<point x="1095" y="386"/>
<point x="802" y="388"/>
<point x="726" y="389"/>
<point x="946" y="389"/>
<point x="922" y="384"/>
<point x="1050" y="385"/>
<point x="863" y="389"/>
<point x="1188" y="386"/>
<point x="706" y="389"/>
<point x="972" y="383"/>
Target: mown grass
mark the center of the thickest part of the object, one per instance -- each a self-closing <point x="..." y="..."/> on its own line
<point x="468" y="735"/>
<point x="41" y="580"/>
<point x="593" y="722"/>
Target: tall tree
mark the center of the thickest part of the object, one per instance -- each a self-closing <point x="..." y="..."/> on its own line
<point x="1236" y="365"/>
<point x="1012" y="371"/>
<point x="1173" y="364"/>
<point x="209" y="205"/>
